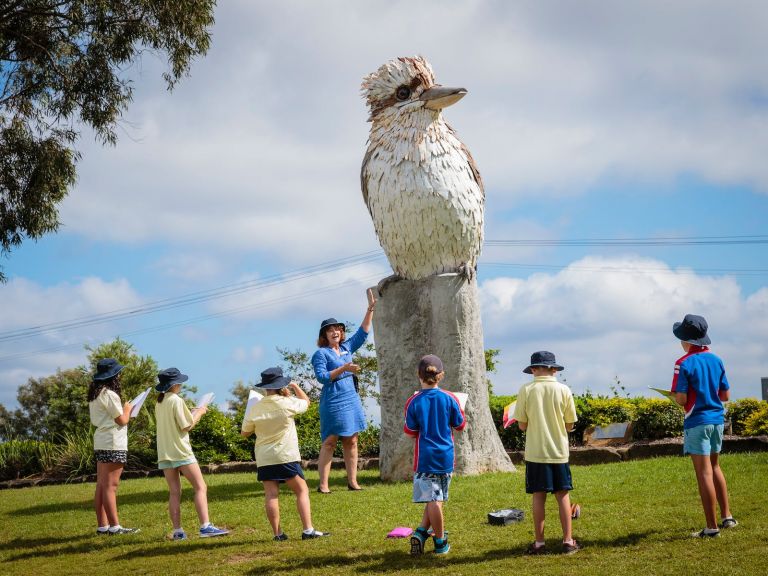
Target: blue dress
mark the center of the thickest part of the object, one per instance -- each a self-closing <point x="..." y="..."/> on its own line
<point x="341" y="412"/>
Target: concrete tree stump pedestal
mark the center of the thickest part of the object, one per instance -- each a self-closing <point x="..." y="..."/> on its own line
<point x="437" y="315"/>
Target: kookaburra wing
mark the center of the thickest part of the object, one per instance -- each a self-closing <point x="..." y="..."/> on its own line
<point x="419" y="181"/>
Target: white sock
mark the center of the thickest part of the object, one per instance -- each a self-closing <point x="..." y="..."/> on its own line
<point x="103" y="528"/>
<point x="203" y="526"/>
<point x="178" y="530"/>
<point x="539" y="544"/>
<point x="309" y="530"/>
<point x="711" y="530"/>
<point x="115" y="528"/>
<point x="569" y="542"/>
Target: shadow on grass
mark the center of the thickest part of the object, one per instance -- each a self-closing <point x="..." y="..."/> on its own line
<point x="36" y="542"/>
<point x="174" y="548"/>
<point x="165" y="549"/>
<point x="219" y="492"/>
<point x="402" y="560"/>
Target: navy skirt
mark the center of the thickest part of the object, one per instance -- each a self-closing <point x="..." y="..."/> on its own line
<point x="279" y="472"/>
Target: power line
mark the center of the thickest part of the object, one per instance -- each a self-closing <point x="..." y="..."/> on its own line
<point x="194" y="320"/>
<point x="654" y="241"/>
<point x="629" y="269"/>
<point x="193" y="297"/>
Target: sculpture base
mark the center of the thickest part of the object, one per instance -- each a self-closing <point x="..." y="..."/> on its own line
<point x="437" y="315"/>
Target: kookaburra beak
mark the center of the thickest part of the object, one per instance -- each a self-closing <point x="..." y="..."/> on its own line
<point x="439" y="97"/>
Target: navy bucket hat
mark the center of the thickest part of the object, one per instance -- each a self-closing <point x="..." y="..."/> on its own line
<point x="273" y="379"/>
<point x="330" y="322"/>
<point x="169" y="378"/>
<point x="107" y="368"/>
<point x="693" y="329"/>
<point x="545" y="359"/>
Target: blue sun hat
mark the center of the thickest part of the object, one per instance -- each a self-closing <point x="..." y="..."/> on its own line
<point x="545" y="359"/>
<point x="693" y="329"/>
<point x="168" y="378"/>
<point x="330" y="322"/>
<point x="273" y="379"/>
<point x="107" y="368"/>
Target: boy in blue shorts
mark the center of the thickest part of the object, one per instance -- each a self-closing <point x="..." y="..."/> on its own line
<point x="700" y="386"/>
<point x="545" y="411"/>
<point x="431" y="416"/>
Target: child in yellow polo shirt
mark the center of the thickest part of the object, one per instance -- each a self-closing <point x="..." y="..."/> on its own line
<point x="277" y="448"/>
<point x="545" y="411"/>
<point x="174" y="420"/>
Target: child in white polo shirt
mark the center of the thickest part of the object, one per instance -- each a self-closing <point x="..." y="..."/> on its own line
<point x="277" y="448"/>
<point x="174" y="420"/>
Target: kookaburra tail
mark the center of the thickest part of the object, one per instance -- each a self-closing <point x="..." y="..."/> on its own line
<point x="419" y="181"/>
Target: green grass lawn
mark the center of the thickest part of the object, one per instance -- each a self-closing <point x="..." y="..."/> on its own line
<point x="636" y="519"/>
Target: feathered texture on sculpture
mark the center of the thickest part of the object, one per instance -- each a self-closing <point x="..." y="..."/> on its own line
<point x="419" y="181"/>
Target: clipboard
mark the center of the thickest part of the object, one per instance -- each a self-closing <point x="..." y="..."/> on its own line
<point x="205" y="400"/>
<point x="666" y="393"/>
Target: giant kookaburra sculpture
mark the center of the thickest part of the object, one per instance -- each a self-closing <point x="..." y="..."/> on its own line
<point x="419" y="181"/>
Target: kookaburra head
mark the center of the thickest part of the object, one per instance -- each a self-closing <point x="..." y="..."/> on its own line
<point x="405" y="86"/>
<point x="419" y="181"/>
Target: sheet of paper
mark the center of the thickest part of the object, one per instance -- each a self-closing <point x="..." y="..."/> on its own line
<point x="205" y="400"/>
<point x="462" y="398"/>
<point x="253" y="398"/>
<point x="667" y="393"/>
<point x="138" y="402"/>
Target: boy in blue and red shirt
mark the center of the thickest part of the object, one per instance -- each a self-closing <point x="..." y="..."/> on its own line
<point x="431" y="416"/>
<point x="701" y="387"/>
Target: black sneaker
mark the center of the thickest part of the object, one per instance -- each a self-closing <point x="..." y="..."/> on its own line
<point x="534" y="550"/>
<point x="314" y="534"/>
<point x="280" y="537"/>
<point x="571" y="548"/>
<point x="418" y="538"/>
<point x="729" y="522"/>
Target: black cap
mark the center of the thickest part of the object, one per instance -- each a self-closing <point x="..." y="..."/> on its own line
<point x="107" y="368"/>
<point x="168" y="378"/>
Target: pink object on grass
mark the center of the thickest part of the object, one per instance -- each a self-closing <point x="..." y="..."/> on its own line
<point x="400" y="532"/>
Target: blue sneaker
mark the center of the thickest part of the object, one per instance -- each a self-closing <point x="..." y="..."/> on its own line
<point x="210" y="531"/>
<point x="441" y="545"/>
<point x="180" y="535"/>
<point x="418" y="538"/>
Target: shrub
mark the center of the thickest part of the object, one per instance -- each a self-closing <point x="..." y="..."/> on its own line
<point x="657" y="418"/>
<point x="757" y="422"/>
<point x="22" y="458"/>
<point x="75" y="454"/>
<point x="512" y="438"/>
<point x="368" y="441"/>
<point x="308" y="431"/>
<point x="600" y="411"/>
<point x="216" y="438"/>
<point x="739" y="411"/>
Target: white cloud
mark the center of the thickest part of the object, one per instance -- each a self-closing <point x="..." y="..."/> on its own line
<point x="247" y="355"/>
<point x="259" y="150"/>
<point x="26" y="304"/>
<point x="607" y="317"/>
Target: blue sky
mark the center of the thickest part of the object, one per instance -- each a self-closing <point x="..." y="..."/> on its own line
<point x="588" y="120"/>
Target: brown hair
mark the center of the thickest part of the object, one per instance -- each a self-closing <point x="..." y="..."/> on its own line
<point x="430" y="375"/>
<point x="98" y="385"/>
<point x="322" y="341"/>
<point x="160" y="397"/>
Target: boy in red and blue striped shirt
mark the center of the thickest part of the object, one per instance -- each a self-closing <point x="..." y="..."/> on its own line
<point x="431" y="416"/>
<point x="701" y="387"/>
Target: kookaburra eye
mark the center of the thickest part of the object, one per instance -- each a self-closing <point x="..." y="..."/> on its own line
<point x="403" y="93"/>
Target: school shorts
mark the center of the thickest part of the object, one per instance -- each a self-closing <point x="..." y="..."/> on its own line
<point x="429" y="487"/>
<point x="540" y="477"/>
<point x="165" y="464"/>
<point x="279" y="472"/>
<point x="703" y="440"/>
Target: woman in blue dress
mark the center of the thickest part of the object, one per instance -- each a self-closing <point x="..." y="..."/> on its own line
<point x="341" y="411"/>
